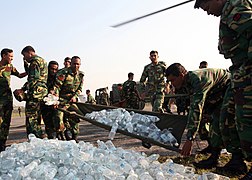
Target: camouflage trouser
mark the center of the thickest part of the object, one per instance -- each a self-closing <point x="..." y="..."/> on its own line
<point x="70" y="123"/>
<point x="47" y="115"/>
<point x="237" y="123"/>
<point x="211" y="115"/>
<point x="227" y="124"/>
<point x="213" y="136"/>
<point x="157" y="99"/>
<point x="203" y="132"/>
<point x="214" y="130"/>
<point x="5" y="119"/>
<point x="33" y="117"/>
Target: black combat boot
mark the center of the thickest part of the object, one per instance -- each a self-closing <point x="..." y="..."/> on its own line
<point x="75" y="137"/>
<point x="210" y="162"/>
<point x="2" y="145"/>
<point x="248" y="176"/>
<point x="235" y="166"/>
<point x="60" y="136"/>
<point x="68" y="135"/>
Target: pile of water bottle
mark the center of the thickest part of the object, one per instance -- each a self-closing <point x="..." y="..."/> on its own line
<point x="67" y="160"/>
<point x="143" y="125"/>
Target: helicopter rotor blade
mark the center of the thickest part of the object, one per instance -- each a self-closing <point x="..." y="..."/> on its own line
<point x="150" y="14"/>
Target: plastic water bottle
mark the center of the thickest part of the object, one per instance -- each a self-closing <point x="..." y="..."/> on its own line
<point x="113" y="131"/>
<point x="129" y="127"/>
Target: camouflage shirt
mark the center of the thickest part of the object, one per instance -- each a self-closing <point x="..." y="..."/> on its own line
<point x="129" y="89"/>
<point x="235" y="31"/>
<point x="5" y="90"/>
<point x="155" y="75"/>
<point x="37" y="78"/>
<point x="68" y="85"/>
<point x="90" y="99"/>
<point x="205" y="86"/>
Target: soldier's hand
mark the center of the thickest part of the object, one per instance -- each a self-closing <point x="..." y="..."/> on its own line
<point x="73" y="99"/>
<point x="53" y="92"/>
<point x="187" y="148"/>
<point x="55" y="106"/>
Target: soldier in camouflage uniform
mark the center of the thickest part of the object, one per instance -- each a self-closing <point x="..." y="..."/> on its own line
<point x="36" y="90"/>
<point x="235" y="43"/>
<point x="6" y="99"/>
<point x="67" y="62"/>
<point x="130" y="92"/>
<point x="207" y="88"/>
<point x="155" y="73"/>
<point x="68" y="86"/>
<point x="90" y="98"/>
<point x="48" y="111"/>
<point x="104" y="97"/>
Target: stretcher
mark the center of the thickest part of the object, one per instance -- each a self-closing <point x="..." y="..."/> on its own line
<point x="176" y="122"/>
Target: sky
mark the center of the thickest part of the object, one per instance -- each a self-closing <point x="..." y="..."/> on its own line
<point x="60" y="28"/>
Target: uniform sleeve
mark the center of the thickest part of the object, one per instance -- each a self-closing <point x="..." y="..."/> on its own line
<point x="196" y="106"/>
<point x="143" y="77"/>
<point x="33" y="77"/>
<point x="79" y="89"/>
<point x="240" y="20"/>
<point x="14" y="72"/>
<point x="59" y="80"/>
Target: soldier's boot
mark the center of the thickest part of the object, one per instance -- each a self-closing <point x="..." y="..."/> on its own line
<point x="59" y="135"/>
<point x="50" y="134"/>
<point x="75" y="137"/>
<point x="210" y="162"/>
<point x="42" y="135"/>
<point x="68" y="135"/>
<point x="236" y="165"/>
<point x="2" y="145"/>
<point x="248" y="176"/>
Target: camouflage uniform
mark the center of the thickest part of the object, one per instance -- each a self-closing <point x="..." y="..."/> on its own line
<point x="36" y="90"/>
<point x="235" y="43"/>
<point x="67" y="85"/>
<point x="130" y="94"/>
<point x="48" y="111"/>
<point x="6" y="99"/>
<point x="207" y="88"/>
<point x="155" y="84"/>
<point x="104" y="98"/>
<point x="182" y="103"/>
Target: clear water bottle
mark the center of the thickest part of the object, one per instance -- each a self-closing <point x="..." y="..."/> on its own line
<point x="113" y="131"/>
<point x="129" y="127"/>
